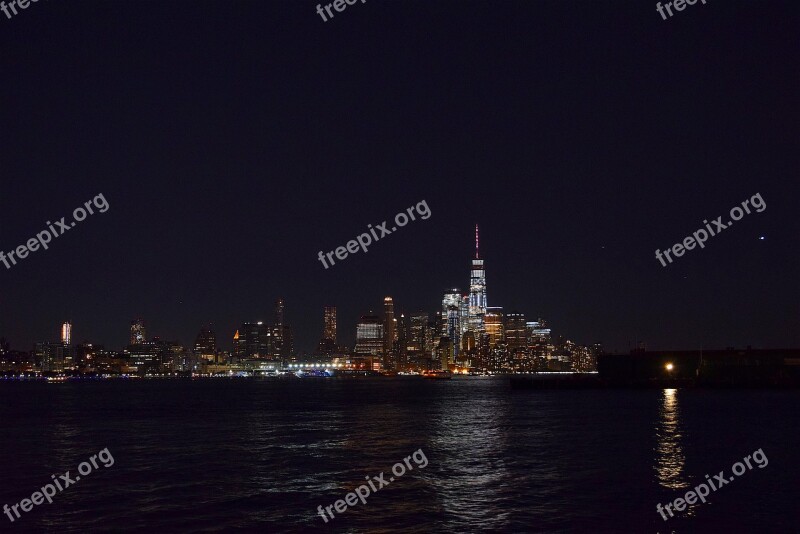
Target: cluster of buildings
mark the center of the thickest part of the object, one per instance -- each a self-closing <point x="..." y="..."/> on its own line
<point x="464" y="335"/>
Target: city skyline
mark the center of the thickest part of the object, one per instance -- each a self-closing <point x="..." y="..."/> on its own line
<point x="470" y="309"/>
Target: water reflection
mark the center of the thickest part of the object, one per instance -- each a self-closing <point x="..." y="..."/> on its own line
<point x="476" y="436"/>
<point x="670" y="461"/>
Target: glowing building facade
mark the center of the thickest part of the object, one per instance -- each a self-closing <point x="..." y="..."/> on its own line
<point x="138" y="334"/>
<point x="389" y="325"/>
<point x="369" y="335"/>
<point x="329" y="331"/>
<point x="66" y="333"/>
<point x="493" y="321"/>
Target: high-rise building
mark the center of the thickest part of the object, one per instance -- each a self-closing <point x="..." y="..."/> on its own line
<point x="369" y="335"/>
<point x="282" y="342"/>
<point x="493" y="321"/>
<point x="516" y="334"/>
<point x="205" y="345"/>
<point x="452" y="297"/>
<point x="330" y="324"/>
<point x="463" y="311"/>
<point x="66" y="333"/>
<point x="453" y="328"/>
<point x="47" y="356"/>
<point x="146" y="356"/>
<point x="418" y="323"/>
<point x="402" y="344"/>
<point x="445" y="353"/>
<point x="539" y="340"/>
<point x="477" y="290"/>
<point x="254" y="342"/>
<point x="389" y="323"/>
<point x="279" y="312"/>
<point x="236" y="346"/>
<point x="327" y="345"/>
<point x="138" y="334"/>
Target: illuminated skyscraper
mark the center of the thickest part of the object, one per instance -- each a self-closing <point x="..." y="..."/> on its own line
<point x="477" y="291"/>
<point x="369" y="335"/>
<point x="452" y="297"/>
<point x="463" y="312"/>
<point x="388" y="325"/>
<point x="66" y="333"/>
<point x="329" y="331"/>
<point x="138" y="334"/>
<point x="516" y="333"/>
<point x="327" y="345"/>
<point x="453" y="329"/>
<point x="493" y="321"/>
<point x="418" y="324"/>
<point x="282" y="339"/>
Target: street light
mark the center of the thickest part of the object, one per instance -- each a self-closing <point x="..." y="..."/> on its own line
<point x="668" y="367"/>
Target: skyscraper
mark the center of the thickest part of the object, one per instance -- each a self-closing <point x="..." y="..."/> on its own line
<point x="369" y="335"/>
<point x="477" y="290"/>
<point x="516" y="332"/>
<point x="327" y="345"/>
<point x="205" y="345"/>
<point x="254" y="342"/>
<point x="329" y="331"/>
<point x="279" y="312"/>
<point x="138" y="334"/>
<point x="418" y="323"/>
<point x="388" y="325"/>
<point x="282" y="339"/>
<point x="66" y="333"/>
<point x="453" y="329"/>
<point x="493" y="321"/>
<point x="452" y="297"/>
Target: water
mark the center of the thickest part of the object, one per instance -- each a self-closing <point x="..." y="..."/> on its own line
<point x="261" y="455"/>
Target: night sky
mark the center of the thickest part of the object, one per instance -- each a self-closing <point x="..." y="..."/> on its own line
<point x="234" y="140"/>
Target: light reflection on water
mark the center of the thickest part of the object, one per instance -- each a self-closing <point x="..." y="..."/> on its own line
<point x="670" y="461"/>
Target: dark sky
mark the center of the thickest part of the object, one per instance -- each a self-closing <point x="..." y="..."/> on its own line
<point x="234" y="140"/>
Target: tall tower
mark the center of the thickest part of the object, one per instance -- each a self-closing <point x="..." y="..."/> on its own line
<point x="330" y="324"/>
<point x="279" y="312"/>
<point x="388" y="324"/>
<point x="477" y="290"/>
<point x="137" y="332"/>
<point x="452" y="297"/>
<point x="66" y="333"/>
<point x="281" y="334"/>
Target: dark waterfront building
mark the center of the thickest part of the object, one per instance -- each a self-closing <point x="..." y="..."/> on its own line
<point x="720" y="368"/>
<point x="146" y="356"/>
<point x="253" y="341"/>
<point x="205" y="346"/>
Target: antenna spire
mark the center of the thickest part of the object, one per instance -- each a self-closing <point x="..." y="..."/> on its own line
<point x="477" y="256"/>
